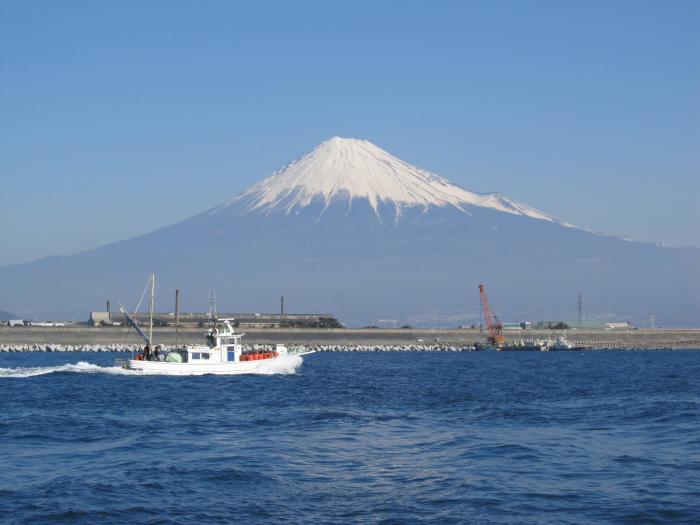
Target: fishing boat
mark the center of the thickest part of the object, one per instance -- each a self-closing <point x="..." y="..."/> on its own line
<point x="561" y="345"/>
<point x="527" y="345"/>
<point x="221" y="354"/>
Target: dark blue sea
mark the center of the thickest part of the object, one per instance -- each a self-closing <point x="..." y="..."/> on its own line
<point x="597" y="437"/>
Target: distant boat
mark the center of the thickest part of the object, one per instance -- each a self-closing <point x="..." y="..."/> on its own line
<point x="561" y="344"/>
<point x="528" y="345"/>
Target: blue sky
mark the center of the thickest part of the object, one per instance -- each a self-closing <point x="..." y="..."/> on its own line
<point x="117" y="118"/>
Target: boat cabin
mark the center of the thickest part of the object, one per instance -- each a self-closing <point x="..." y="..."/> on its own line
<point x="223" y="345"/>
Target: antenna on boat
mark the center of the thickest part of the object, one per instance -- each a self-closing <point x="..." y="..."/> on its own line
<point x="151" y="301"/>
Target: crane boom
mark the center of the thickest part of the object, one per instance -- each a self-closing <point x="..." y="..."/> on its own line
<point x="495" y="328"/>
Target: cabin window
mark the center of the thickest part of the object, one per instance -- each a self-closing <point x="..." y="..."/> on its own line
<point x="195" y="355"/>
<point x="205" y="355"/>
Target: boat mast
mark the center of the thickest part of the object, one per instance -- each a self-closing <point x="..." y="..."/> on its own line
<point x="150" y="323"/>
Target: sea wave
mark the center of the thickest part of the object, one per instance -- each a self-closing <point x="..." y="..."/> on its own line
<point x="478" y="437"/>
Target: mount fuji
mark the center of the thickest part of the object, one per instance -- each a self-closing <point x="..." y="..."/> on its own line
<point x="340" y="171"/>
<point x="351" y="230"/>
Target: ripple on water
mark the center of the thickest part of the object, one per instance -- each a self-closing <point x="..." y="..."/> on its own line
<point x="606" y="437"/>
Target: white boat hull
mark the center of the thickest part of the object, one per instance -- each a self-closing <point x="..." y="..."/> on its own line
<point x="272" y="365"/>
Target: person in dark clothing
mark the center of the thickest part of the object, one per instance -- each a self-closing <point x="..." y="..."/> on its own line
<point x="147" y="353"/>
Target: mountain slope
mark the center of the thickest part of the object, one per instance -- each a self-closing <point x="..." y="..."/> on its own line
<point x="350" y="230"/>
<point x="6" y="316"/>
<point x="343" y="170"/>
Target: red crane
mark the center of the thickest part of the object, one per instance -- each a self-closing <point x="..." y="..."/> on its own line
<point x="495" y="328"/>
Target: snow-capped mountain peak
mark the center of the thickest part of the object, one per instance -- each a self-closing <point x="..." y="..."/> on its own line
<point x="342" y="169"/>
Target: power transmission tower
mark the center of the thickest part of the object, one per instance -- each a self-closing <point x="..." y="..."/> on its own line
<point x="579" y="307"/>
<point x="212" y="306"/>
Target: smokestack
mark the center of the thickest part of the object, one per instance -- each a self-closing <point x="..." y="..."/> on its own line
<point x="282" y="305"/>
<point x="177" y="307"/>
<point x="109" y="310"/>
<point x="177" y="317"/>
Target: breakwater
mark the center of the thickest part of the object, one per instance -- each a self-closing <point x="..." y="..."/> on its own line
<point x="128" y="348"/>
<point x="434" y="347"/>
<point x="637" y="345"/>
<point x="79" y="338"/>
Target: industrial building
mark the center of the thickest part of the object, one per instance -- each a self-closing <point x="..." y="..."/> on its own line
<point x="242" y="320"/>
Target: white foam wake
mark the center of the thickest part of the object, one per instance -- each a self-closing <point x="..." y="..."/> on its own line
<point x="288" y="365"/>
<point x="81" y="367"/>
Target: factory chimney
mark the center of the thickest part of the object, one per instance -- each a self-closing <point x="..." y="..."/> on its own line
<point x="177" y="307"/>
<point x="177" y="316"/>
<point x="282" y="305"/>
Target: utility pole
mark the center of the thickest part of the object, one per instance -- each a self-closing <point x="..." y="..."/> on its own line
<point x="579" y="306"/>
<point x="481" y="319"/>
<point x="177" y="316"/>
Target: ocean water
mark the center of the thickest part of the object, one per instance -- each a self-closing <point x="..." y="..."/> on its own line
<point x="596" y="437"/>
